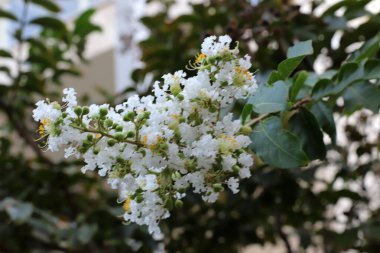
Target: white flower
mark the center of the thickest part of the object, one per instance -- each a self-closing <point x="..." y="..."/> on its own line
<point x="155" y="148"/>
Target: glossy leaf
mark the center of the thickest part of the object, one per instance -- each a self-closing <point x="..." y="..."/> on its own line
<point x="297" y="85"/>
<point x="372" y="69"/>
<point x="49" y="22"/>
<point x="7" y="14"/>
<point x="324" y="114"/>
<point x="48" y="5"/>
<point x="269" y="99"/>
<point x="277" y="146"/>
<point x="5" y="54"/>
<point x="305" y="126"/>
<point x="363" y="94"/>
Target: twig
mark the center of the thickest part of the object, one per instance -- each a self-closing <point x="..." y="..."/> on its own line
<point x="255" y="120"/>
<point x="281" y="233"/>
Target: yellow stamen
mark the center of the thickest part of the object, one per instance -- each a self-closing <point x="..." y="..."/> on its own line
<point x="199" y="58"/>
<point x="127" y="204"/>
<point x="244" y="72"/>
<point x="43" y="126"/>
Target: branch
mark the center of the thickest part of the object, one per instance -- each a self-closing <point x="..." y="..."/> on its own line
<point x="281" y="232"/>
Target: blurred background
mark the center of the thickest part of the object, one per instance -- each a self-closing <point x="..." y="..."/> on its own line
<point x="110" y="49"/>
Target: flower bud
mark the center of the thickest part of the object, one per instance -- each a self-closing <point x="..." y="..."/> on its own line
<point x="103" y="112"/>
<point x="86" y="110"/>
<point x="78" y="110"/>
<point x="129" y="116"/>
<point x="118" y="128"/>
<point x="217" y="187"/>
<point x="178" y="203"/>
<point x="120" y="136"/>
<point x="108" y="122"/>
<point x="131" y="134"/>
<point x="246" y="130"/>
<point x="111" y="142"/>
<point x="236" y="169"/>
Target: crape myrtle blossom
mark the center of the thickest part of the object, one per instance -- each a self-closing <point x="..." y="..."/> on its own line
<point x="154" y="149"/>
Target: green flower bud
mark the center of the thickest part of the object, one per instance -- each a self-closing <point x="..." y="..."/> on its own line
<point x="217" y="187"/>
<point x="236" y="169"/>
<point x="118" y="128"/>
<point x="103" y="112"/>
<point x="246" y="130"/>
<point x="111" y="142"/>
<point x="131" y="134"/>
<point x="178" y="203"/>
<point x="78" y="110"/>
<point x="86" y="110"/>
<point x="129" y="116"/>
<point x="108" y="122"/>
<point x="120" y="136"/>
<point x="64" y="115"/>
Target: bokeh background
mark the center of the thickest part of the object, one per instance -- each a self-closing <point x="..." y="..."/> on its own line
<point x="110" y="49"/>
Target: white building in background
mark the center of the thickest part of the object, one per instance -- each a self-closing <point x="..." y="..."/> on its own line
<point x="114" y="53"/>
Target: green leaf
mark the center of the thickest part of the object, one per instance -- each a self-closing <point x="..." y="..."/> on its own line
<point x="5" y="54"/>
<point x="270" y="99"/>
<point x="305" y="126"/>
<point x="302" y="48"/>
<point x="286" y="67"/>
<point x="297" y="85"/>
<point x="7" y="14"/>
<point x="323" y="88"/>
<point x="324" y="114"/>
<point x="246" y="112"/>
<point x="295" y="56"/>
<point x="83" y="25"/>
<point x="348" y="74"/>
<point x="49" y="22"/>
<point x="372" y="69"/>
<point x="273" y="77"/>
<point x="276" y="146"/>
<point x="48" y="5"/>
<point x="363" y="94"/>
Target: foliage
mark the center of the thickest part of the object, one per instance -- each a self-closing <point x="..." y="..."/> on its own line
<point x="50" y="206"/>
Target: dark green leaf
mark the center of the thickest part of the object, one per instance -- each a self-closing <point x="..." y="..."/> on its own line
<point x="48" y="5"/>
<point x="276" y="146"/>
<point x="270" y="99"/>
<point x="247" y="110"/>
<point x="363" y="94"/>
<point x="305" y="126"/>
<point x="286" y="67"/>
<point x="372" y="69"/>
<point x="49" y="22"/>
<point x="297" y="85"/>
<point x="324" y="114"/>
<point x="83" y="25"/>
<point x="273" y="77"/>
<point x="7" y="14"/>
<point x="5" y="54"/>
<point x="323" y="88"/>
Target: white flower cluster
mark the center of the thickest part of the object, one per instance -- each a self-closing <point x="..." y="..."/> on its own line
<point x="156" y="148"/>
